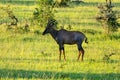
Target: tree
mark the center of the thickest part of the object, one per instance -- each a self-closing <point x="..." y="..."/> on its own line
<point x="43" y="12"/>
<point x="107" y="17"/>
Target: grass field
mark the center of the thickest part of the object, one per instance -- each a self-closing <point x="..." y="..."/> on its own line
<point x="32" y="56"/>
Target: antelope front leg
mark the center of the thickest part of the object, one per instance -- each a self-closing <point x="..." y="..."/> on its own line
<point x="60" y="55"/>
<point x="64" y="54"/>
<point x="61" y="48"/>
<point x="62" y="51"/>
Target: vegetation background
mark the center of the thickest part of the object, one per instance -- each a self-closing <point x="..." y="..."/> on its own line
<point x="29" y="55"/>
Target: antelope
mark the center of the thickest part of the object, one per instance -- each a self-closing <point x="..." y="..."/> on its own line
<point x="66" y="37"/>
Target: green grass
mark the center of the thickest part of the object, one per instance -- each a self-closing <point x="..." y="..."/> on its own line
<point x="31" y="56"/>
<point x="18" y="2"/>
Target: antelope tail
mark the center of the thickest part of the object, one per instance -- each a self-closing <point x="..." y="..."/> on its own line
<point x="86" y="40"/>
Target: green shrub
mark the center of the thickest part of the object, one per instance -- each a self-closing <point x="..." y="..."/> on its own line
<point x="43" y="12"/>
<point x="108" y="17"/>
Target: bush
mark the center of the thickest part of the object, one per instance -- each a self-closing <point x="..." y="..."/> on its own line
<point x="61" y="3"/>
<point x="43" y="12"/>
<point x="10" y="14"/>
<point x="108" y="17"/>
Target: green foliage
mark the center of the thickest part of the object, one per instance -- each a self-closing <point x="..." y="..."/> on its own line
<point x="63" y="3"/>
<point x="114" y="36"/>
<point x="11" y="15"/>
<point x="106" y="57"/>
<point x="12" y="24"/>
<point x="43" y="12"/>
<point x="108" y="17"/>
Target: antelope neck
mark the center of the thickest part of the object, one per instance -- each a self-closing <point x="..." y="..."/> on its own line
<point x="54" y="33"/>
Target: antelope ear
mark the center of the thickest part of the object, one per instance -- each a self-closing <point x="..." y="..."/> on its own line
<point x="51" y="23"/>
<point x="49" y="20"/>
